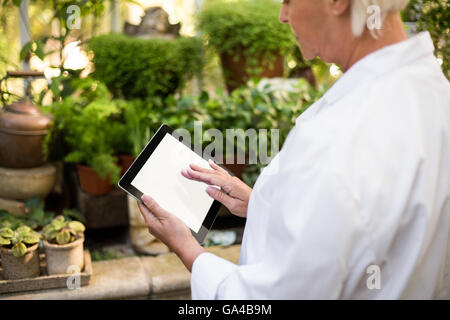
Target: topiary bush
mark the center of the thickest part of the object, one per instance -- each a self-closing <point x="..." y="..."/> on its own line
<point x="142" y="68"/>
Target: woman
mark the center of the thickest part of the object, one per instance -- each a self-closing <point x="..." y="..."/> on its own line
<point x="357" y="203"/>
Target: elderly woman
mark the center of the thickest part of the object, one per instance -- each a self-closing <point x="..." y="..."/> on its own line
<point x="357" y="203"/>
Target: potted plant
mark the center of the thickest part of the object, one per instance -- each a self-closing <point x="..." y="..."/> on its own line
<point x="122" y="145"/>
<point x="35" y="216"/>
<point x="63" y="244"/>
<point x="138" y="122"/>
<point x="126" y="132"/>
<point x="84" y="122"/>
<point x="19" y="252"/>
<point x="248" y="37"/>
<point x="8" y="220"/>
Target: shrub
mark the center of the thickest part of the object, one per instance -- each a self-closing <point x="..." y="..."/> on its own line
<point x="141" y="68"/>
<point x="250" y="27"/>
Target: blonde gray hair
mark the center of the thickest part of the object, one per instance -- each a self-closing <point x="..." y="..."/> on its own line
<point x="360" y="12"/>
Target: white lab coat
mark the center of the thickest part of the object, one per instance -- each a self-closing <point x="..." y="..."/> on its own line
<point x="361" y="185"/>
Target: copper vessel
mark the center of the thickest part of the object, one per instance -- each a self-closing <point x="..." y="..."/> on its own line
<point x="22" y="131"/>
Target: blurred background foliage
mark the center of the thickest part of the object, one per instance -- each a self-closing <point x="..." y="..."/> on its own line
<point x="433" y="16"/>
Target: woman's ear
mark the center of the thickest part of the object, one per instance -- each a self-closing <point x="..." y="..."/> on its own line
<point x="339" y="7"/>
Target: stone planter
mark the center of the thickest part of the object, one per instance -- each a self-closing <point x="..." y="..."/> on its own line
<point x="141" y="240"/>
<point x="60" y="257"/>
<point x="23" y="267"/>
<point x="21" y="184"/>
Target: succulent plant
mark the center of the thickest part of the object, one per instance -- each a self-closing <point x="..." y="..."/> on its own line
<point x="19" y="239"/>
<point x="63" y="231"/>
<point x="7" y="220"/>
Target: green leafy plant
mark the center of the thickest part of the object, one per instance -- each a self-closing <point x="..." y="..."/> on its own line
<point x="83" y="123"/>
<point x="63" y="231"/>
<point x="253" y="107"/>
<point x="139" y="121"/>
<point x="18" y="240"/>
<point x="35" y="215"/>
<point x="7" y="220"/>
<point x="433" y="16"/>
<point x="143" y="68"/>
<point x="250" y="27"/>
<point x="60" y="86"/>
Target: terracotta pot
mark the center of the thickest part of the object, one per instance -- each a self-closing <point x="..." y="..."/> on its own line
<point x="236" y="168"/>
<point x="23" y="267"/>
<point x="60" y="257"/>
<point x="236" y="75"/>
<point x="125" y="161"/>
<point x="22" y="131"/>
<point x="91" y="182"/>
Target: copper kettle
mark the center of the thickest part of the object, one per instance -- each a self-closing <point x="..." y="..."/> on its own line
<point x="22" y="130"/>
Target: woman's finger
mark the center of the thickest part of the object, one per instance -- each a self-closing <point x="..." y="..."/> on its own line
<point x="153" y="206"/>
<point x="209" y="178"/>
<point x="198" y="168"/>
<point x="185" y="174"/>
<point x="217" y="167"/>
<point x="220" y="196"/>
<point x="150" y="219"/>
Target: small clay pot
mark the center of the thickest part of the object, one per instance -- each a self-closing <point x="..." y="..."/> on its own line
<point x="125" y="161"/>
<point x="60" y="257"/>
<point x="23" y="267"/>
<point x="91" y="182"/>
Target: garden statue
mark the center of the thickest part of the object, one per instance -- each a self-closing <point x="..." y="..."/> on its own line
<point x="154" y="24"/>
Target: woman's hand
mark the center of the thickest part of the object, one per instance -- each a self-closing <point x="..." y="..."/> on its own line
<point x="171" y="231"/>
<point x="234" y="194"/>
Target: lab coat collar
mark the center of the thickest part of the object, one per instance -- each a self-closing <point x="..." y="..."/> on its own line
<point x="379" y="62"/>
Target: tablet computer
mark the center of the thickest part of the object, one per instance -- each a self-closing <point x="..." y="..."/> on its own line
<point x="157" y="172"/>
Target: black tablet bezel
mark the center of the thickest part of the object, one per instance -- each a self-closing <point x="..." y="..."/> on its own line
<point x="133" y="170"/>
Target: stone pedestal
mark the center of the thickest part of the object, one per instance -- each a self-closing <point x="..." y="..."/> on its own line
<point x="106" y="211"/>
<point x="21" y="184"/>
<point x="141" y="240"/>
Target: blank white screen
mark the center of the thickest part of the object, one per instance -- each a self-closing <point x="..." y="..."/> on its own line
<point x="161" y="178"/>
